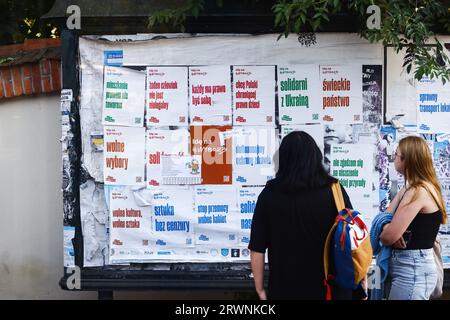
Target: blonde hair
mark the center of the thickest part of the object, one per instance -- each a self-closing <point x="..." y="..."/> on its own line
<point x="419" y="169"/>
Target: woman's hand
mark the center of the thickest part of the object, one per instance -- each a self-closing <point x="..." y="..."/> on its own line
<point x="261" y="294"/>
<point x="399" y="244"/>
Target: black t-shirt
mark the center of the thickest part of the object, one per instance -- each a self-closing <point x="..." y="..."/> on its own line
<point x="293" y="227"/>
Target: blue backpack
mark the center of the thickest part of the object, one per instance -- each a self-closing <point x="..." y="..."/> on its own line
<point x="349" y="241"/>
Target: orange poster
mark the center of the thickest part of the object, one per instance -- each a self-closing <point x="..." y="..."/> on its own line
<point x="216" y="165"/>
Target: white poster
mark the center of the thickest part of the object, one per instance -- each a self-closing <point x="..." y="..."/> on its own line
<point x="167" y="96"/>
<point x="172" y="218"/>
<point x="254" y="95"/>
<point x="123" y="97"/>
<point x="130" y="227"/>
<point x="342" y="94"/>
<point x="216" y="214"/>
<point x="353" y="165"/>
<point x="254" y="152"/>
<point x="124" y="155"/>
<point x="316" y="131"/>
<point x="247" y="198"/>
<point x="299" y="94"/>
<point x="433" y="106"/>
<point x="160" y="143"/>
<point x="210" y="95"/>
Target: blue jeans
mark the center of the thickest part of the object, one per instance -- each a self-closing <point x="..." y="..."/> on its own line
<point x="413" y="274"/>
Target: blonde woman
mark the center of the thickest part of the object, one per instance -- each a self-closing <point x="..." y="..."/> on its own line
<point x="419" y="211"/>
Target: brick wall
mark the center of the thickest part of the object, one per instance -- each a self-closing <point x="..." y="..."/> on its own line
<point x="31" y="77"/>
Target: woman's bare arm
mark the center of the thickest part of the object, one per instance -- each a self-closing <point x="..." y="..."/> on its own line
<point x="257" y="262"/>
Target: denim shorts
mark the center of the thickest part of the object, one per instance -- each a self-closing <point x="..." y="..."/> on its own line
<point x="413" y="274"/>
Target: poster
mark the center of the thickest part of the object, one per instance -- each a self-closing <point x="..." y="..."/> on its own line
<point x="254" y="155"/>
<point x="247" y="198"/>
<point x="167" y="96"/>
<point x="130" y="227"/>
<point x="314" y="130"/>
<point x="123" y="97"/>
<point x="353" y="165"/>
<point x="254" y="95"/>
<point x="445" y="243"/>
<point x="69" y="252"/>
<point x="341" y="94"/>
<point x="124" y="155"/>
<point x="216" y="214"/>
<point x="210" y="95"/>
<point x="172" y="218"/>
<point x="216" y="155"/>
<point x="445" y="188"/>
<point x="160" y="143"/>
<point x="298" y="94"/>
<point x="441" y="161"/>
<point x="441" y="156"/>
<point x="433" y="106"/>
<point x="384" y="164"/>
<point x="372" y="95"/>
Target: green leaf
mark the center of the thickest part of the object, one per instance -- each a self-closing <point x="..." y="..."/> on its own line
<point x="278" y="18"/>
<point x="317" y="15"/>
<point x="408" y="68"/>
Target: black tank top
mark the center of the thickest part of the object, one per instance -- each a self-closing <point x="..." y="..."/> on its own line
<point x="422" y="231"/>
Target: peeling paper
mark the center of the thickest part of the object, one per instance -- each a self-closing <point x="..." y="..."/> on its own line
<point x="94" y="222"/>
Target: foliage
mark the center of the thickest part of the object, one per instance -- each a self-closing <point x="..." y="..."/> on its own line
<point x="20" y="20"/>
<point x="405" y="25"/>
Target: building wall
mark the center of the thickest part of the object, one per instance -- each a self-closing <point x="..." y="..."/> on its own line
<point x="31" y="237"/>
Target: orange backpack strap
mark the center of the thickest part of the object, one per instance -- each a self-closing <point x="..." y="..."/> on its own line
<point x="338" y="197"/>
<point x="340" y="205"/>
<point x="326" y="261"/>
<point x="326" y="250"/>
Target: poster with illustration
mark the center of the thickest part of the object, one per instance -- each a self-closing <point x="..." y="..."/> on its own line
<point x="167" y="96"/>
<point x="123" y="97"/>
<point x="441" y="156"/>
<point x="254" y="95"/>
<point x="124" y="155"/>
<point x="341" y="87"/>
<point x="384" y="164"/>
<point x="210" y="95"/>
<point x="298" y="94"/>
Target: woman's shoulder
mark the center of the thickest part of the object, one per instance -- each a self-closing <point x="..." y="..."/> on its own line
<point x="423" y="190"/>
<point x="422" y="193"/>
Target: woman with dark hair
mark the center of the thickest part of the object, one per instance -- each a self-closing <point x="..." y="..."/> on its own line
<point x="293" y="215"/>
